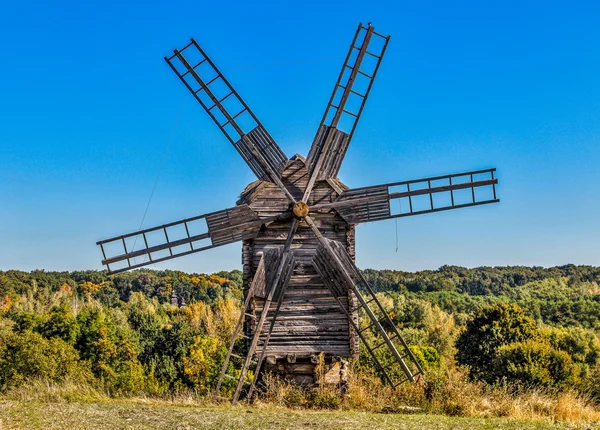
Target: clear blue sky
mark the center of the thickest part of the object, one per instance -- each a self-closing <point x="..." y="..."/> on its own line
<point x="87" y="105"/>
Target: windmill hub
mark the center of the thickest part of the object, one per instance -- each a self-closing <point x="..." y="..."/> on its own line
<point x="300" y="209"/>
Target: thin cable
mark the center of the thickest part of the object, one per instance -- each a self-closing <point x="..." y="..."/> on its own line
<point x="399" y="211"/>
<point x="162" y="165"/>
<point x="396" y="234"/>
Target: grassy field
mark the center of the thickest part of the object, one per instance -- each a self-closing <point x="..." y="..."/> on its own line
<point x="164" y="415"/>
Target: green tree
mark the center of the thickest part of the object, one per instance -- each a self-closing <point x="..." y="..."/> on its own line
<point x="142" y="318"/>
<point x="173" y="348"/>
<point x="203" y="364"/>
<point x="492" y="327"/>
<point x="61" y="324"/>
<point x="534" y="363"/>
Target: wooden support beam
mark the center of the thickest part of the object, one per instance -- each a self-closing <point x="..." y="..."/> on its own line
<point x="351" y="283"/>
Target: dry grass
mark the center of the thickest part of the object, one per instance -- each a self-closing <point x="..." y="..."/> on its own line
<point x="444" y="400"/>
<point x="449" y="393"/>
<point x="67" y="391"/>
<point x="135" y="414"/>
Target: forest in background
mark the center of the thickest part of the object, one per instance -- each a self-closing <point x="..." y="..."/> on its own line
<point x="517" y="328"/>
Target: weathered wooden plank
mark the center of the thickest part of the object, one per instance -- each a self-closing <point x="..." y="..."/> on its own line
<point x="300" y="325"/>
<point x="306" y="350"/>
<point x="271" y="153"/>
<point x="332" y="156"/>
<point x="302" y="310"/>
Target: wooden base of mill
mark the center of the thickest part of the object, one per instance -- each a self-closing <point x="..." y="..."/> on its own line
<point x="309" y="372"/>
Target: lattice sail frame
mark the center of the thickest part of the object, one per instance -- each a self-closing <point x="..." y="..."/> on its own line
<point x="373" y="203"/>
<point x="182" y="237"/>
<point x="346" y="103"/>
<point x="232" y="115"/>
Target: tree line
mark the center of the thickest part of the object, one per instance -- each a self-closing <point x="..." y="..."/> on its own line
<point x="524" y="326"/>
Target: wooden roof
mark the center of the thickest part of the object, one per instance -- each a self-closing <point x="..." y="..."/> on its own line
<point x="295" y="178"/>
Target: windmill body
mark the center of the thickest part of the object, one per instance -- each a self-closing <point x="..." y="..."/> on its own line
<point x="303" y="293"/>
<point x="310" y="320"/>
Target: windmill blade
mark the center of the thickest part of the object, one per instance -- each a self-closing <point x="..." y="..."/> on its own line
<point x="346" y="103"/>
<point x="182" y="238"/>
<point x="416" y="197"/>
<point x="228" y="110"/>
<point x="395" y="361"/>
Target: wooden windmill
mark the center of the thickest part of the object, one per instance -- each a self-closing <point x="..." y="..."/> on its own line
<point x="303" y="293"/>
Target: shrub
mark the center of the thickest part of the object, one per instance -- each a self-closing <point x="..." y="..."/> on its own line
<point x="581" y="344"/>
<point x="427" y="356"/>
<point x="534" y="364"/>
<point x="203" y="365"/>
<point x="27" y="356"/>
